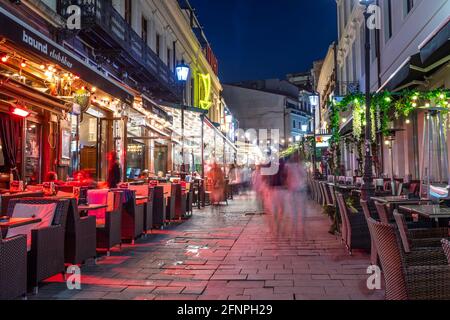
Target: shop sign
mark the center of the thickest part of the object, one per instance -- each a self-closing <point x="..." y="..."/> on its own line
<point x="205" y="91"/>
<point x="53" y="53"/>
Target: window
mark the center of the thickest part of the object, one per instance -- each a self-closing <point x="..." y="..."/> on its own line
<point x="128" y="9"/>
<point x="387" y="20"/>
<point x="408" y="5"/>
<point x="158" y="44"/>
<point x="293" y="124"/>
<point x="144" y="33"/>
<point x="354" y="61"/>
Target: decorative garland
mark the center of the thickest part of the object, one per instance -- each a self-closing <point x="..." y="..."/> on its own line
<point x="383" y="106"/>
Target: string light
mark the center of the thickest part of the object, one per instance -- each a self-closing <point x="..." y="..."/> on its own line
<point x="23" y="64"/>
<point x="5" y="58"/>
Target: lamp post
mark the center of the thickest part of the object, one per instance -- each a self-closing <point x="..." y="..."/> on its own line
<point x="182" y="72"/>
<point x="367" y="187"/>
<point x="314" y="101"/>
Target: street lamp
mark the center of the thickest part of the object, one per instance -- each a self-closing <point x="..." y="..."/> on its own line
<point x="182" y="72"/>
<point x="368" y="175"/>
<point x="314" y="101"/>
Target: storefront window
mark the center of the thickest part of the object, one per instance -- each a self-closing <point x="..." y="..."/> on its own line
<point x="88" y="145"/>
<point x="32" y="153"/>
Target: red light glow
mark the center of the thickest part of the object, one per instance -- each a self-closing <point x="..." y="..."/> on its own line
<point x="20" y="112"/>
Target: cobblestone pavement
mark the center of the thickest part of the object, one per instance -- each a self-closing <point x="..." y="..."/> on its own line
<point x="230" y="252"/>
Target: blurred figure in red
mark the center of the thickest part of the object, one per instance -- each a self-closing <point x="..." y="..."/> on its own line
<point x="114" y="175"/>
<point x="217" y="177"/>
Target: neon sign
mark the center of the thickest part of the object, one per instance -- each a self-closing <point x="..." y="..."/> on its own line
<point x="205" y="95"/>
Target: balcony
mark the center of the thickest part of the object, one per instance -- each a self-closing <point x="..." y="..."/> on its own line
<point x="105" y="30"/>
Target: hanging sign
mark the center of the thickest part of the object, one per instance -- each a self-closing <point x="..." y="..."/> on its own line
<point x="205" y="91"/>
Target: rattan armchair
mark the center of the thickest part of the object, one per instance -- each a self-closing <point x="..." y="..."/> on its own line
<point x="446" y="247"/>
<point x="368" y="213"/>
<point x="418" y="275"/>
<point x="355" y="232"/>
<point x="159" y="206"/>
<point x="46" y="257"/>
<point x="6" y="198"/>
<point x="81" y="236"/>
<point x="189" y="202"/>
<point x="109" y="234"/>
<point x="171" y="202"/>
<point x="13" y="267"/>
<point x="132" y="216"/>
<point x="148" y="210"/>
<point x="417" y="238"/>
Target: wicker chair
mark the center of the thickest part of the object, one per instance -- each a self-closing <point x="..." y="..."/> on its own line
<point x="159" y="206"/>
<point x="417" y="238"/>
<point x="132" y="216"/>
<point x="109" y="234"/>
<point x="180" y="202"/>
<point x="148" y="210"/>
<point x="383" y="212"/>
<point x="446" y="247"/>
<point x="6" y="198"/>
<point x="13" y="267"/>
<point x="419" y="275"/>
<point x="171" y="202"/>
<point x="355" y="231"/>
<point x="373" y="248"/>
<point x="189" y="201"/>
<point x="81" y="236"/>
<point x="46" y="257"/>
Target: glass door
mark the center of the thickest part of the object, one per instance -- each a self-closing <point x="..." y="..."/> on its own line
<point x="32" y="157"/>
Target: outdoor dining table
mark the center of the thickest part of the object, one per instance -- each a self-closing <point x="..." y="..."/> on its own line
<point x="15" y="223"/>
<point x="430" y="211"/>
<point x="399" y="200"/>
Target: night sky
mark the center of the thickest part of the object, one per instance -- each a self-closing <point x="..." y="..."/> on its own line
<point x="259" y="39"/>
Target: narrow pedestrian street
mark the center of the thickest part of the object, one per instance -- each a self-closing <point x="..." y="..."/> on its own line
<point x="230" y="252"/>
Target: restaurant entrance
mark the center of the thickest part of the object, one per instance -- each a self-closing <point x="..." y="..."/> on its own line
<point x="160" y="156"/>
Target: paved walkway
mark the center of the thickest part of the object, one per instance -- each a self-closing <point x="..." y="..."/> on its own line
<point x="230" y="252"/>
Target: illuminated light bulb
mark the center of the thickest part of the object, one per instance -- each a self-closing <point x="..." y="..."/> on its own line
<point x="386" y="142"/>
<point x="5" y="58"/>
<point x="427" y="105"/>
<point x="344" y="120"/>
<point x="93" y="89"/>
<point x="23" y="64"/>
<point x="407" y="121"/>
<point x="415" y="98"/>
<point x="441" y="96"/>
<point x="42" y="67"/>
<point x="414" y="104"/>
<point x="48" y="74"/>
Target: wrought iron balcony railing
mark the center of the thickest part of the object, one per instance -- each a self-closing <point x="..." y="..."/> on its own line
<point x="101" y="13"/>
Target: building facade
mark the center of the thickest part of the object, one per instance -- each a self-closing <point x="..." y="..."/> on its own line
<point x="109" y="85"/>
<point x="405" y="31"/>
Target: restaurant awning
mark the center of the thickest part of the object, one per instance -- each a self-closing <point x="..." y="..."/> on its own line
<point x="437" y="46"/>
<point x="26" y="38"/>
<point x="433" y="54"/>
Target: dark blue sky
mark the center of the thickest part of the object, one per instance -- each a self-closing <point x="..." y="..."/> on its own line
<point x="257" y="39"/>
